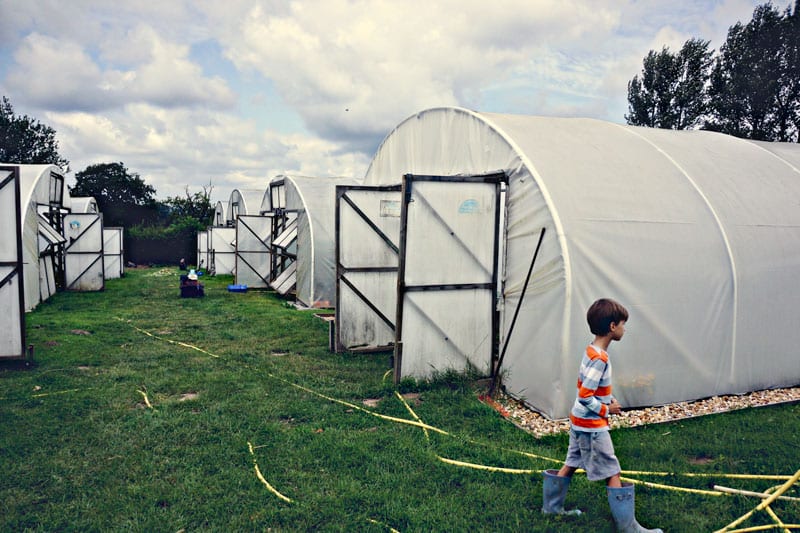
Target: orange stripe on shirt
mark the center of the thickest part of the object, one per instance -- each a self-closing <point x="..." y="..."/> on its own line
<point x="590" y="423"/>
<point x="593" y="354"/>
<point x="599" y="391"/>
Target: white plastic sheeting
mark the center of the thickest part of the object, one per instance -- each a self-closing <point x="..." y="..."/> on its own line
<point x="696" y="233"/>
<point x="42" y="197"/>
<point x="202" y="250"/>
<point x="274" y="196"/>
<point x="243" y="202"/>
<point x="82" y="204"/>
<point x="12" y="295"/>
<point x="368" y="239"/>
<point x="220" y="217"/>
<point x="221" y="250"/>
<point x="253" y="256"/>
<point x="83" y="253"/>
<point x="113" y="252"/>
<point x="83" y="259"/>
<point x="449" y="245"/>
<point x="313" y="199"/>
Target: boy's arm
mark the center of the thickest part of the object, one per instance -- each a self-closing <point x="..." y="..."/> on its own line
<point x="590" y="390"/>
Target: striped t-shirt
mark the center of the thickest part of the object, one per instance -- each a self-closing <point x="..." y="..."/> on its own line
<point x="590" y="410"/>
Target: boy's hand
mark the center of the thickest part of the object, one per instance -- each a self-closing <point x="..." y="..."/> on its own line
<point x="614" y="407"/>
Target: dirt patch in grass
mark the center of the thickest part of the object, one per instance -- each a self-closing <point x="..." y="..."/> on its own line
<point x="186" y="396"/>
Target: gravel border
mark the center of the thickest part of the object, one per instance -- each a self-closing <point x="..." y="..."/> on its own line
<point x="538" y="425"/>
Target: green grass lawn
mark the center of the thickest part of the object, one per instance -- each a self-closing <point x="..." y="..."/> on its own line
<point x="116" y="426"/>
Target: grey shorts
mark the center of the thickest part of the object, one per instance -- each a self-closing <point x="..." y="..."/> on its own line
<point x="594" y="452"/>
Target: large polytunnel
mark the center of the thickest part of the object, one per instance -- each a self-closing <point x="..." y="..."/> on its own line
<point x="696" y="233"/>
<point x="312" y="200"/>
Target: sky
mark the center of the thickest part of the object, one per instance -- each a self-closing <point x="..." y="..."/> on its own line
<point x="229" y="94"/>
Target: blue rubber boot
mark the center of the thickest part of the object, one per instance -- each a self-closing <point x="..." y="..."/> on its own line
<point x="554" y="491"/>
<point x="621" y="501"/>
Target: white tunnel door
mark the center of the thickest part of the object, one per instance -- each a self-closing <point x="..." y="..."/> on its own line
<point x="367" y="236"/>
<point x="253" y="252"/>
<point x="447" y="281"/>
<point x="84" y="252"/>
<point x="12" y="291"/>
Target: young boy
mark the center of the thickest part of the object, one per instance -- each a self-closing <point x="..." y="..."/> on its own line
<point x="590" y="445"/>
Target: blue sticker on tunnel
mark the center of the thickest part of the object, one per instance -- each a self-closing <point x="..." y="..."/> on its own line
<point x="469" y="206"/>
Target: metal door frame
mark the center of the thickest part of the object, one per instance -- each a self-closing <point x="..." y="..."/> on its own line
<point x="241" y="221"/>
<point x="496" y="178"/>
<point x="97" y="219"/>
<point x="281" y="259"/>
<point x="342" y="270"/>
<point x="118" y="234"/>
<point x="16" y="266"/>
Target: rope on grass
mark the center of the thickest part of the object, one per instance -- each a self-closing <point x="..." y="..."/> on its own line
<point x="263" y="480"/>
<point x="463" y="463"/>
<point x="390" y="528"/>
<point x="764" y="528"/>
<point x="774" y="496"/>
<point x="426" y="427"/>
<point x="359" y="408"/>
<point x="761" y="495"/>
<point x="706" y="474"/>
<point x="673" y="488"/>
<point x="178" y="343"/>
<point x="146" y="401"/>
<point x="43" y="394"/>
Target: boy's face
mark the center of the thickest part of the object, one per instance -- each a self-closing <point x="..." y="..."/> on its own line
<point x="617" y="330"/>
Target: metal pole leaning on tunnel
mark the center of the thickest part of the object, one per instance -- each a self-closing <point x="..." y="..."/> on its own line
<point x="496" y="370"/>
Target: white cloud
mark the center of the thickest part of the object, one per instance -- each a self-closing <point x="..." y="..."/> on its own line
<point x="57" y="74"/>
<point x="172" y="149"/>
<point x="128" y="82"/>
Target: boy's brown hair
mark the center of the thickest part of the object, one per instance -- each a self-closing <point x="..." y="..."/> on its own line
<point x="603" y="313"/>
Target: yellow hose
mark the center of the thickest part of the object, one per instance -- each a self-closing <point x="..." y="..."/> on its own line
<point x="417" y="422"/>
<point x="263" y="480"/>
<point x="774" y="496"/>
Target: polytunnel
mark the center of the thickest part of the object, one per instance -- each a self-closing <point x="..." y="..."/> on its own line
<point x="696" y="233"/>
<point x="243" y="202"/>
<point x="42" y="208"/>
<point x="220" y="218"/>
<point x="82" y="204"/>
<point x="311" y="201"/>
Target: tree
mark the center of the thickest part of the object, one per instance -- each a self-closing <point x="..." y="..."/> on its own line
<point x="750" y="89"/>
<point x="195" y="206"/>
<point x="123" y="197"/>
<point x="24" y="140"/>
<point x="754" y="90"/>
<point x="671" y="91"/>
